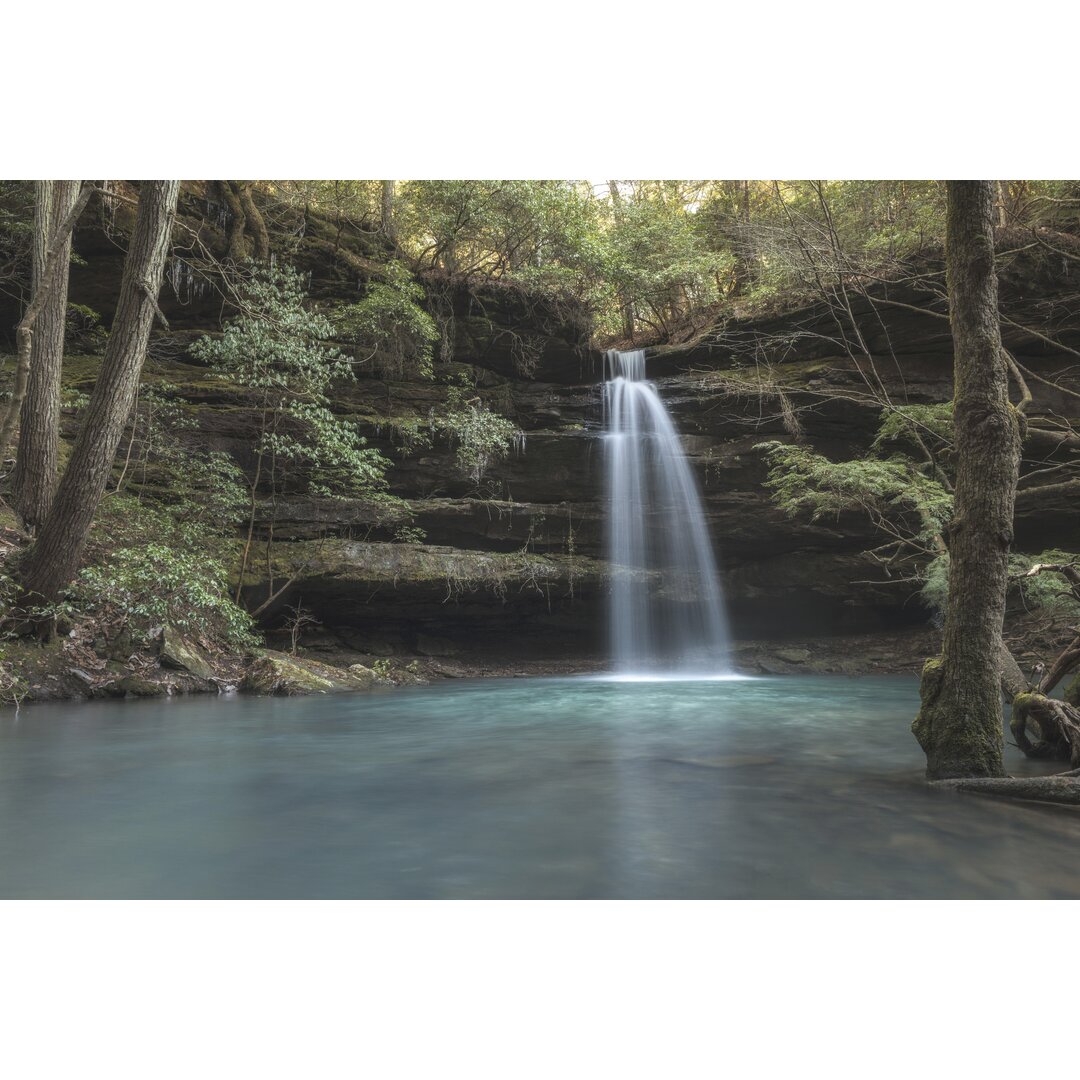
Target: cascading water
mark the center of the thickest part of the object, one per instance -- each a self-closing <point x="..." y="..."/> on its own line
<point x="667" y="607"/>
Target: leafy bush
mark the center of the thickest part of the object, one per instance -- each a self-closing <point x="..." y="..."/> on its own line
<point x="907" y="425"/>
<point x="1048" y="590"/>
<point x="804" y="481"/>
<point x="274" y="348"/>
<point x="138" y="588"/>
<point x="389" y="328"/>
<point x="482" y="437"/>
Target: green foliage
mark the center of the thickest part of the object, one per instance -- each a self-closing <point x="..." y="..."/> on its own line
<point x="803" y="481"/>
<point x="411" y="432"/>
<point x="275" y="348"/>
<point x="657" y="257"/>
<point x="198" y="484"/>
<point x="902" y="425"/>
<point x="73" y="399"/>
<point x="1047" y="590"/>
<point x="496" y="227"/>
<point x="389" y="328"/>
<point x="83" y="331"/>
<point x="148" y="567"/>
<point x="16" y="226"/>
<point x="155" y="584"/>
<point x="410" y="534"/>
<point x="481" y="437"/>
<point x="935" y="589"/>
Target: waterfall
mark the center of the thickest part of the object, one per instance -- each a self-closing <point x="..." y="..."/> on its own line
<point x="667" y="607"/>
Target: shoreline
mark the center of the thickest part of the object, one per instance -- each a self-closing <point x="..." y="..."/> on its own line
<point x="67" y="670"/>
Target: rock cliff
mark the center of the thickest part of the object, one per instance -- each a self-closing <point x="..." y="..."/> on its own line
<point x="513" y="566"/>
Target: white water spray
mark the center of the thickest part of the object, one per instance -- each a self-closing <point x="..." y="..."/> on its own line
<point x="667" y="608"/>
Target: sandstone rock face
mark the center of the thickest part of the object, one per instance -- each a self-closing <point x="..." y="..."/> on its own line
<point x="514" y="565"/>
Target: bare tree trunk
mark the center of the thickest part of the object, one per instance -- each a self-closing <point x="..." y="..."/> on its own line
<point x="744" y="253"/>
<point x="37" y="458"/>
<point x="1000" y="188"/>
<point x="387" y="218"/>
<point x="959" y="723"/>
<point x="39" y="298"/>
<point x="54" y="559"/>
<point x="626" y="307"/>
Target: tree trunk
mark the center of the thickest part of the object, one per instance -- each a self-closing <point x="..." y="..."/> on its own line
<point x="1000" y="212"/>
<point x="237" y="250"/>
<point x="959" y="723"/>
<point x="55" y="237"/>
<point x="387" y="217"/>
<point x="626" y="307"/>
<point x="37" y="461"/>
<point x="744" y="254"/>
<point x="255" y="222"/>
<point x="54" y="559"/>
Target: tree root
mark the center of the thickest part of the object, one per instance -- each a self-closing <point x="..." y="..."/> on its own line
<point x="1055" y="723"/>
<point x="1061" y="788"/>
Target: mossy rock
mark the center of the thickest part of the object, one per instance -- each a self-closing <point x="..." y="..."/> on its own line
<point x="280" y="674"/>
<point x="182" y="655"/>
<point x="363" y="674"/>
<point x="137" y="686"/>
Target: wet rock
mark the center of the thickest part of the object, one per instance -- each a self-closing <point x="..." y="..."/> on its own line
<point x="137" y="686"/>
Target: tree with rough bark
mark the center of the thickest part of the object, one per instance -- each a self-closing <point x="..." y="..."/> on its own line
<point x="959" y="722"/>
<point x="51" y="256"/>
<point x="244" y="218"/>
<point x="37" y="458"/>
<point x="54" y="559"/>
<point x="386" y="215"/>
<point x="626" y="307"/>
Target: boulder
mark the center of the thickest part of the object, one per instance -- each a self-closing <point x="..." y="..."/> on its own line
<point x="183" y="656"/>
<point x="137" y="686"/>
<point x="278" y="673"/>
<point x="364" y="674"/>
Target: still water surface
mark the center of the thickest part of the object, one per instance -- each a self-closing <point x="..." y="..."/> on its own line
<point x="540" y="788"/>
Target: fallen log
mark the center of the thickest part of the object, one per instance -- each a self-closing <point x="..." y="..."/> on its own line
<point x="1061" y="788"/>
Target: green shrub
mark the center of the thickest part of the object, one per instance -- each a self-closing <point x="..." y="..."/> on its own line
<point x="140" y="588"/>
<point x="481" y="437"/>
<point x="389" y="329"/>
